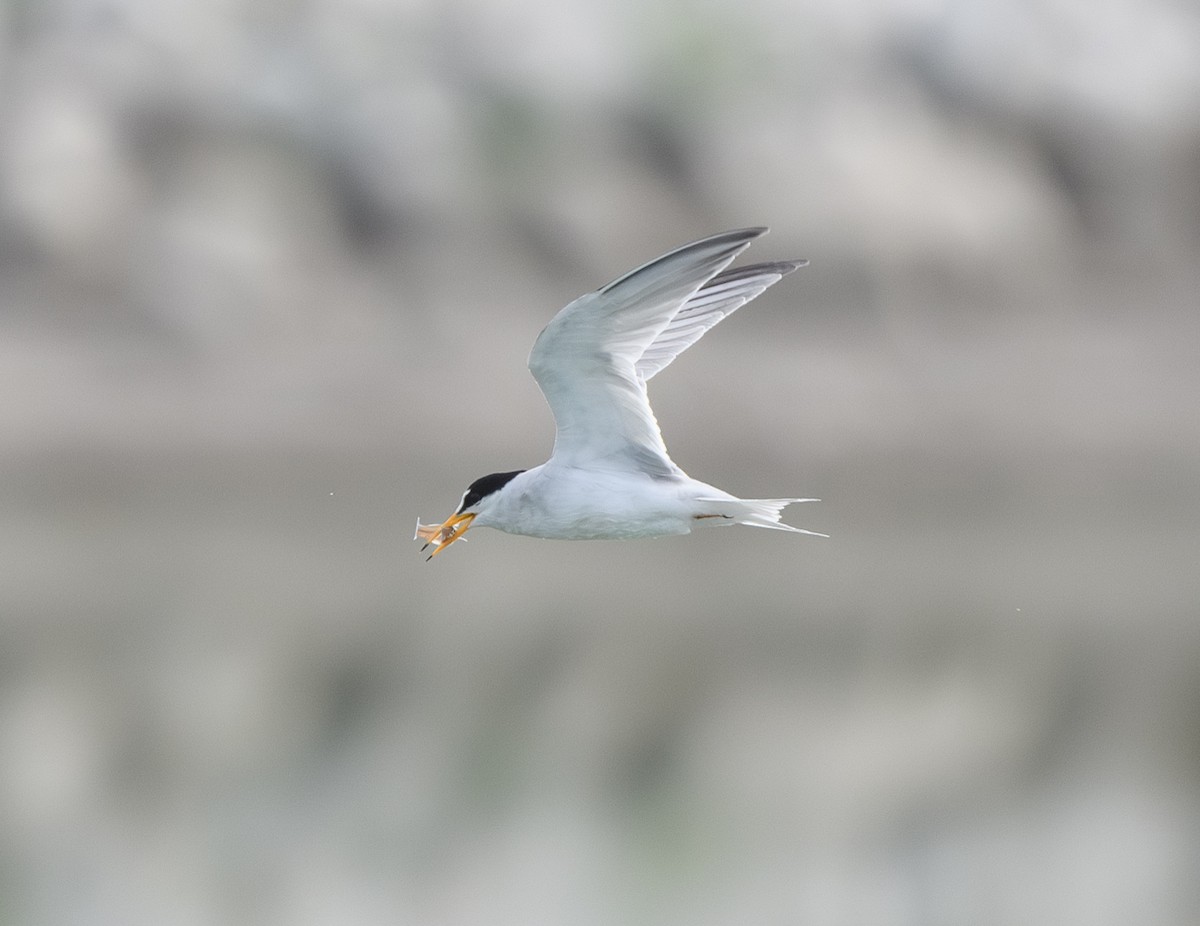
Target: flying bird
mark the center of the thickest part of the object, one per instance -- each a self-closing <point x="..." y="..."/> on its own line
<point x="609" y="476"/>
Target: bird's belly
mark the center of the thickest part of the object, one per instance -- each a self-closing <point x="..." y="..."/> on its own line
<point x="618" y="512"/>
<point x="600" y="528"/>
<point x="574" y="524"/>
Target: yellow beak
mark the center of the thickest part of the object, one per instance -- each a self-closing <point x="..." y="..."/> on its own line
<point x="440" y="536"/>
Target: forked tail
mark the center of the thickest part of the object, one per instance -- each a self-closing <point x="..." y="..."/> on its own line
<point x="758" y="512"/>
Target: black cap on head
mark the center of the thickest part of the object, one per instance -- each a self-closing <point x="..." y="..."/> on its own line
<point x="484" y="486"/>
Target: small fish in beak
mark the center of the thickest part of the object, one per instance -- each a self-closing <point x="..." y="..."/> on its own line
<point x="440" y="536"/>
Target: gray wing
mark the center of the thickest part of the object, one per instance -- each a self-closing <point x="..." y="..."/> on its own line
<point x="717" y="299"/>
<point x="586" y="360"/>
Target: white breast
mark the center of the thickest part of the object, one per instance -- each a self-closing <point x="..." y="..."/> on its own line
<point x="564" y="503"/>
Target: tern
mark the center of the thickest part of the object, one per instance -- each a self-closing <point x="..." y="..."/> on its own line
<point x="609" y="476"/>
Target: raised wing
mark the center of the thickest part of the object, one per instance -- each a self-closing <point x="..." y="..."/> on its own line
<point x="719" y="298"/>
<point x="585" y="360"/>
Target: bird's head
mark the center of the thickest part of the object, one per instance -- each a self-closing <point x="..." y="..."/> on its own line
<point x="479" y="496"/>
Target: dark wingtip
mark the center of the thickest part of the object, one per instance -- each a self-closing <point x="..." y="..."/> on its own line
<point x="725" y="245"/>
<point x="780" y="267"/>
<point x="741" y="234"/>
<point x="784" y="267"/>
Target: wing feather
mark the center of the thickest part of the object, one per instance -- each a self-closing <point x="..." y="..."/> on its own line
<point x="719" y="298"/>
<point x="593" y="359"/>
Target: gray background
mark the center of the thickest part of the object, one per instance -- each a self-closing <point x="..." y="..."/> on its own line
<point x="269" y="273"/>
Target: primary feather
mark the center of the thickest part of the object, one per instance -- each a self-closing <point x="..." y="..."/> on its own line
<point x="716" y="300"/>
<point x="588" y="361"/>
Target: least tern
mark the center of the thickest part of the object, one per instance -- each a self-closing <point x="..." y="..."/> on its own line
<point x="609" y="476"/>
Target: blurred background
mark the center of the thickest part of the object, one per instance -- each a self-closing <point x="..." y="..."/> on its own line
<point x="269" y="272"/>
